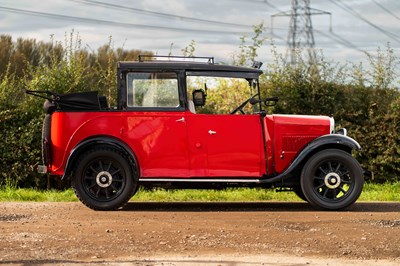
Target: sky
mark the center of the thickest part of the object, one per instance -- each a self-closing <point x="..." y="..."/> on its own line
<point x="164" y="26"/>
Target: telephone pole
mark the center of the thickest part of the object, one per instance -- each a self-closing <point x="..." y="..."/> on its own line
<point x="301" y="35"/>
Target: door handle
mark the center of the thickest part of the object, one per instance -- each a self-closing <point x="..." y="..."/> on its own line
<point x="211" y="132"/>
<point x="180" y="120"/>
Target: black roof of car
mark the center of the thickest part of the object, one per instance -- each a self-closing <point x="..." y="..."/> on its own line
<point x="192" y="68"/>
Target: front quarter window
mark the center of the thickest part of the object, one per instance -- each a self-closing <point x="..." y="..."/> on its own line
<point x="154" y="90"/>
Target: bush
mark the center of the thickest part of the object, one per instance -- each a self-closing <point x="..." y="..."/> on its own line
<point x="20" y="147"/>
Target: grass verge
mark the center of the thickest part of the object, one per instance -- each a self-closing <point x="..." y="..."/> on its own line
<point x="371" y="192"/>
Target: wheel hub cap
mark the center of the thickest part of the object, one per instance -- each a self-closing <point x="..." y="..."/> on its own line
<point x="332" y="180"/>
<point x="104" y="179"/>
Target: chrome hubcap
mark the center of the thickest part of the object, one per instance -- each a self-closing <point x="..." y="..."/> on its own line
<point x="104" y="179"/>
<point x="332" y="180"/>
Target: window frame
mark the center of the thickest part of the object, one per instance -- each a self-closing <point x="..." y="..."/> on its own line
<point x="124" y="97"/>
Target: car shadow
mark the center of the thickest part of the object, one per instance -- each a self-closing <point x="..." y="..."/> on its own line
<point x="252" y="207"/>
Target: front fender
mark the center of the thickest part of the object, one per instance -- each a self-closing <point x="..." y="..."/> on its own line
<point x="332" y="139"/>
<point x="324" y="142"/>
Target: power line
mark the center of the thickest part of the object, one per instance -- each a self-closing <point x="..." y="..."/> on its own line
<point x="159" y="14"/>
<point x="336" y="38"/>
<point x="386" y="10"/>
<point x="340" y="39"/>
<point x="111" y="23"/>
<point x="332" y="36"/>
<point x="266" y="2"/>
<point x="354" y="13"/>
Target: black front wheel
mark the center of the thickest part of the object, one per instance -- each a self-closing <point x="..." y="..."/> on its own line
<point x="332" y="179"/>
<point x="104" y="179"/>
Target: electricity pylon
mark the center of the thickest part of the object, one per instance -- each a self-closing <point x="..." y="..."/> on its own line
<point x="301" y="35"/>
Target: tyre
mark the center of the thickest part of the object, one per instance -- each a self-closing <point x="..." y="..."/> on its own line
<point x="299" y="193"/>
<point x="104" y="179"/>
<point x="332" y="179"/>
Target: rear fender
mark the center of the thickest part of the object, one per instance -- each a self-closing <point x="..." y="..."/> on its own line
<point x="102" y="140"/>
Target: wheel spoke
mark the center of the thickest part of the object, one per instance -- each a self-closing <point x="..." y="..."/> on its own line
<point x="334" y="194"/>
<point x="94" y="170"/>
<point x="109" y="167"/>
<point x="346" y="181"/>
<point x="115" y="172"/>
<point x="107" y="196"/>
<point x="343" y="174"/>
<point x="322" y="170"/>
<point x="325" y="193"/>
<point x="114" y="188"/>
<point x="101" y="165"/>
<point x="320" y="186"/>
<point x="337" y="168"/>
<point x="92" y="185"/>
<point x="342" y="189"/>
<point x="118" y="180"/>
<point x="98" y="192"/>
<point x="330" y="166"/>
<point x="319" y="178"/>
<point x="90" y="177"/>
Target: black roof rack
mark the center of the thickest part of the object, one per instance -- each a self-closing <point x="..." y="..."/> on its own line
<point x="143" y="58"/>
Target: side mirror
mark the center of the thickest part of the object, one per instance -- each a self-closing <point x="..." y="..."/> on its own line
<point x="271" y="101"/>
<point x="268" y="101"/>
<point x="199" y="97"/>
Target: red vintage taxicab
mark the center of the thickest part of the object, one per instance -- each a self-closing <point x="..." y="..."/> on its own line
<point x="160" y="134"/>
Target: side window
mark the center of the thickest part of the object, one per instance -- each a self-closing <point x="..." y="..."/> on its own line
<point x="152" y="89"/>
<point x="224" y="94"/>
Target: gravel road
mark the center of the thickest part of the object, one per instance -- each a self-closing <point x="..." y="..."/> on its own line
<point x="260" y="233"/>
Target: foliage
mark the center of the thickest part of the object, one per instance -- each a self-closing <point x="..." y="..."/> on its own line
<point x="20" y="147"/>
<point x="188" y="51"/>
<point x="248" y="53"/>
<point x="223" y="94"/>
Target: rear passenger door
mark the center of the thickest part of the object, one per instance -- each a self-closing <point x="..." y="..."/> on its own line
<point x="155" y="124"/>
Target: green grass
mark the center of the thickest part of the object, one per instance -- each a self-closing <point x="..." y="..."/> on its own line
<point x="371" y="192"/>
<point x="230" y="194"/>
<point x="30" y="194"/>
<point x="381" y="192"/>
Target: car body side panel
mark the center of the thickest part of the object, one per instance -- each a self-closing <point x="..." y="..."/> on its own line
<point x="159" y="141"/>
<point x="225" y="145"/>
<point x="70" y="128"/>
<point x="269" y="136"/>
<point x="291" y="133"/>
<point x="180" y="145"/>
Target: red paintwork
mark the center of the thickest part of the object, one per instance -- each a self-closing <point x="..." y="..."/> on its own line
<point x="288" y="134"/>
<point x="68" y="129"/>
<point x="167" y="146"/>
<point x="235" y="149"/>
<point x="159" y="142"/>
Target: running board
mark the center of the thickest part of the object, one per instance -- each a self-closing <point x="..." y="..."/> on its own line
<point x="200" y="180"/>
<point x="265" y="180"/>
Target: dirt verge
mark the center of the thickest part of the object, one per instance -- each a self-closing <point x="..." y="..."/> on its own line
<point x="195" y="233"/>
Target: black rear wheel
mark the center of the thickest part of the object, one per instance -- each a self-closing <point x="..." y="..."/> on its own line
<point x="332" y="179"/>
<point x="104" y="179"/>
<point x="299" y="193"/>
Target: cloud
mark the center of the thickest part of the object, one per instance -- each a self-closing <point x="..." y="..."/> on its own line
<point x="222" y="44"/>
